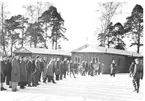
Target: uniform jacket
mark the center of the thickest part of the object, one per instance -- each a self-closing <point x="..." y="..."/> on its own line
<point x="23" y="71"/>
<point x="4" y="67"/>
<point x="9" y="68"/>
<point x="30" y="67"/>
<point x="45" y="68"/>
<point x="65" y="65"/>
<point x="50" y="69"/>
<point x="37" y="64"/>
<point x="15" y="73"/>
<point x="41" y="65"/>
<point x="138" y="71"/>
<point x="131" y="68"/>
<point x="72" y="66"/>
<point x="1" y="69"/>
<point x="57" y="67"/>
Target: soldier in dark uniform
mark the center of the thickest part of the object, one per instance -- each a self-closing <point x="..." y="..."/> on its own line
<point x="57" y="68"/>
<point x="137" y="75"/>
<point x="113" y="68"/>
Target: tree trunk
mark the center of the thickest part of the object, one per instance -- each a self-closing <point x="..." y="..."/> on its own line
<point x="52" y="44"/>
<point x="108" y="44"/>
<point x="56" y="45"/>
<point x="30" y="42"/>
<point x="2" y="31"/>
<point x="45" y="44"/>
<point x="35" y="44"/>
<point x="22" y="44"/>
<point x="11" y="47"/>
<point x="138" y="45"/>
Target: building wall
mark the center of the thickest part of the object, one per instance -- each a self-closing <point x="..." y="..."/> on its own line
<point x="106" y="59"/>
<point x="119" y="60"/>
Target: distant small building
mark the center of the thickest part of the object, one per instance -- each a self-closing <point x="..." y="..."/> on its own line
<point x="105" y="55"/>
<point x="48" y="53"/>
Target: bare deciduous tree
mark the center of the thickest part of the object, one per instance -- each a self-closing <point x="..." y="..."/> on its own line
<point x="108" y="10"/>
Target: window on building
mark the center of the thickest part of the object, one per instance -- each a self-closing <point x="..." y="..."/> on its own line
<point x="95" y="59"/>
<point x="78" y="59"/>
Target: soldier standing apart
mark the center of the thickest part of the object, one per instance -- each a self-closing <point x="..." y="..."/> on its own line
<point x="137" y="75"/>
<point x="113" y="68"/>
<point x="131" y="68"/>
<point x="15" y="74"/>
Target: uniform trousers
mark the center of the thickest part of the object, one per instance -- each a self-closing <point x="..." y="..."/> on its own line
<point x="29" y="79"/>
<point x="14" y="85"/>
<point x="72" y="72"/>
<point x="136" y="84"/>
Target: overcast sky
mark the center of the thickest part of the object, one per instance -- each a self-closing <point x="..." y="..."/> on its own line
<point x="81" y="18"/>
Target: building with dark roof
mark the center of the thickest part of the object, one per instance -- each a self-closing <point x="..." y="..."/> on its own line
<point x="105" y="55"/>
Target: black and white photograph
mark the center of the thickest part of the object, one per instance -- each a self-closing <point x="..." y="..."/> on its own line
<point x="72" y="50"/>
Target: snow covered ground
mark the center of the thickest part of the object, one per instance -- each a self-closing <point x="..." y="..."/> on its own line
<point x="86" y="88"/>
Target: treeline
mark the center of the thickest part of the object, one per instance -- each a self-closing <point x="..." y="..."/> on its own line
<point x="112" y="35"/>
<point x="41" y="25"/>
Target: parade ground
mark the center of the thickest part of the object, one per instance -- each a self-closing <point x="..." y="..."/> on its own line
<point x="82" y="88"/>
